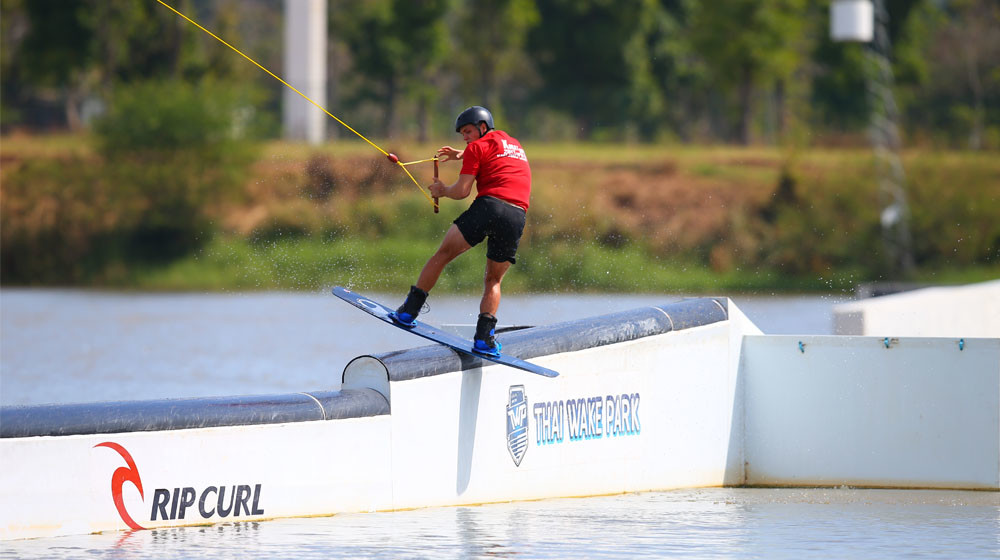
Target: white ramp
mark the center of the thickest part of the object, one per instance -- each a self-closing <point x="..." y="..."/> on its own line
<point x="685" y="394"/>
<point x="872" y="412"/>
<point x="960" y="311"/>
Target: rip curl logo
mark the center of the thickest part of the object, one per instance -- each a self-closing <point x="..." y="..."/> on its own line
<point x="119" y="478"/>
<point x="172" y="504"/>
<point x="517" y="423"/>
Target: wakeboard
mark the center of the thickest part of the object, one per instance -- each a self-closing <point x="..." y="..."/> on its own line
<point x="430" y="332"/>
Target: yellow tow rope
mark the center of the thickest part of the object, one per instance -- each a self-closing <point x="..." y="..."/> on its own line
<point x="391" y="157"/>
<point x="419" y="161"/>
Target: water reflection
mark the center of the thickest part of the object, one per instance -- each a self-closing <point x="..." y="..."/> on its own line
<point x="706" y="523"/>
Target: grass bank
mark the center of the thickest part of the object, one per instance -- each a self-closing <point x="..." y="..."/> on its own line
<point x="604" y="218"/>
<point x="391" y="265"/>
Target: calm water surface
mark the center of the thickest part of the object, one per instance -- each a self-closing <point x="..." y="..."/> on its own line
<point x="79" y="346"/>
<point x="709" y="523"/>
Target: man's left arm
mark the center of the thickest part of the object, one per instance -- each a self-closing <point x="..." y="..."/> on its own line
<point x="447" y="153"/>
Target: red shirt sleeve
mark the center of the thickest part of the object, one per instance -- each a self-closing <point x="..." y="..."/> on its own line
<point x="470" y="159"/>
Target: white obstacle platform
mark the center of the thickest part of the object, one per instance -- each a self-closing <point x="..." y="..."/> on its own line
<point x="689" y="394"/>
<point x="946" y="311"/>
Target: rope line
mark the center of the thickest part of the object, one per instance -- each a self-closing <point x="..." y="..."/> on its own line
<point x="419" y="161"/>
<point x="306" y="97"/>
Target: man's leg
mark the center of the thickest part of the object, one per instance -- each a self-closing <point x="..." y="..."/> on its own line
<point x="491" y="294"/>
<point x="484" y="340"/>
<point x="453" y="245"/>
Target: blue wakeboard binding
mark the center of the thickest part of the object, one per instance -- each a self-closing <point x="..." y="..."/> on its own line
<point x="485" y="341"/>
<point x="407" y="313"/>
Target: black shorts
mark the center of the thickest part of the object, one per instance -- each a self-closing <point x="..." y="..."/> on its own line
<point x="501" y="221"/>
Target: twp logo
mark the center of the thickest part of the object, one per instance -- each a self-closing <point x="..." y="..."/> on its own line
<point x="517" y="423"/>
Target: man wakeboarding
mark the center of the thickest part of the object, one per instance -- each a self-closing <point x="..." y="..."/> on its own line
<point x="497" y="164"/>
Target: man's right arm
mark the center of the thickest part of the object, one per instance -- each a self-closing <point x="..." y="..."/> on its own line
<point x="458" y="191"/>
<point x="462" y="187"/>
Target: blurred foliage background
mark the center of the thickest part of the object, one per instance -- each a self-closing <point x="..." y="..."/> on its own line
<point x="734" y="71"/>
<point x="674" y="143"/>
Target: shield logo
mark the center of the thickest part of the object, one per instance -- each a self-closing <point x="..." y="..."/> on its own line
<point x="517" y="423"/>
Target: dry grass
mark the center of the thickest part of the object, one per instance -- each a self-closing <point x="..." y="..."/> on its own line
<point x="726" y="209"/>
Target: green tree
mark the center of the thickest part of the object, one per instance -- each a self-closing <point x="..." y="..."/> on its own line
<point x="747" y="43"/>
<point x="961" y="96"/>
<point x="76" y="49"/>
<point x="580" y="51"/>
<point x="490" y="51"/>
<point x="54" y="55"/>
<point x="837" y="94"/>
<point x="393" y="44"/>
<point x="669" y="86"/>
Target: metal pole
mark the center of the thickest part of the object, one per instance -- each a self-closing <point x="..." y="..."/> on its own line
<point x="884" y="131"/>
<point x="305" y="68"/>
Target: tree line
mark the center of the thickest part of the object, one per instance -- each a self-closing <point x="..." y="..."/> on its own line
<point x="732" y="71"/>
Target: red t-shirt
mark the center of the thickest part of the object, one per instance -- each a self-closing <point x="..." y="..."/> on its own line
<point x="500" y="166"/>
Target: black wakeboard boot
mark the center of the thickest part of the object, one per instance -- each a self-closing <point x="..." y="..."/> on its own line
<point x="407" y="313"/>
<point x="485" y="341"/>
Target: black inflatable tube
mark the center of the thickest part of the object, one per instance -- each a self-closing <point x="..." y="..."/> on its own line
<point x="180" y="414"/>
<point x="570" y="336"/>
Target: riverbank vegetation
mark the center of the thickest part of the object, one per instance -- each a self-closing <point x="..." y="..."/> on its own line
<point x="146" y="158"/>
<point x="604" y="217"/>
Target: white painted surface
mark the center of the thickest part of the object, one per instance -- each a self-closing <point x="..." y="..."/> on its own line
<point x="305" y="70"/>
<point x="716" y="405"/>
<point x="740" y="326"/>
<point x="959" y="311"/>
<point x="63" y="485"/>
<point x="852" y="20"/>
<point x="366" y="372"/>
<point x="449" y="431"/>
<point x="849" y="411"/>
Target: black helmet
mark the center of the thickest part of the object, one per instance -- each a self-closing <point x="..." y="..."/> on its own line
<point x="474" y="115"/>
